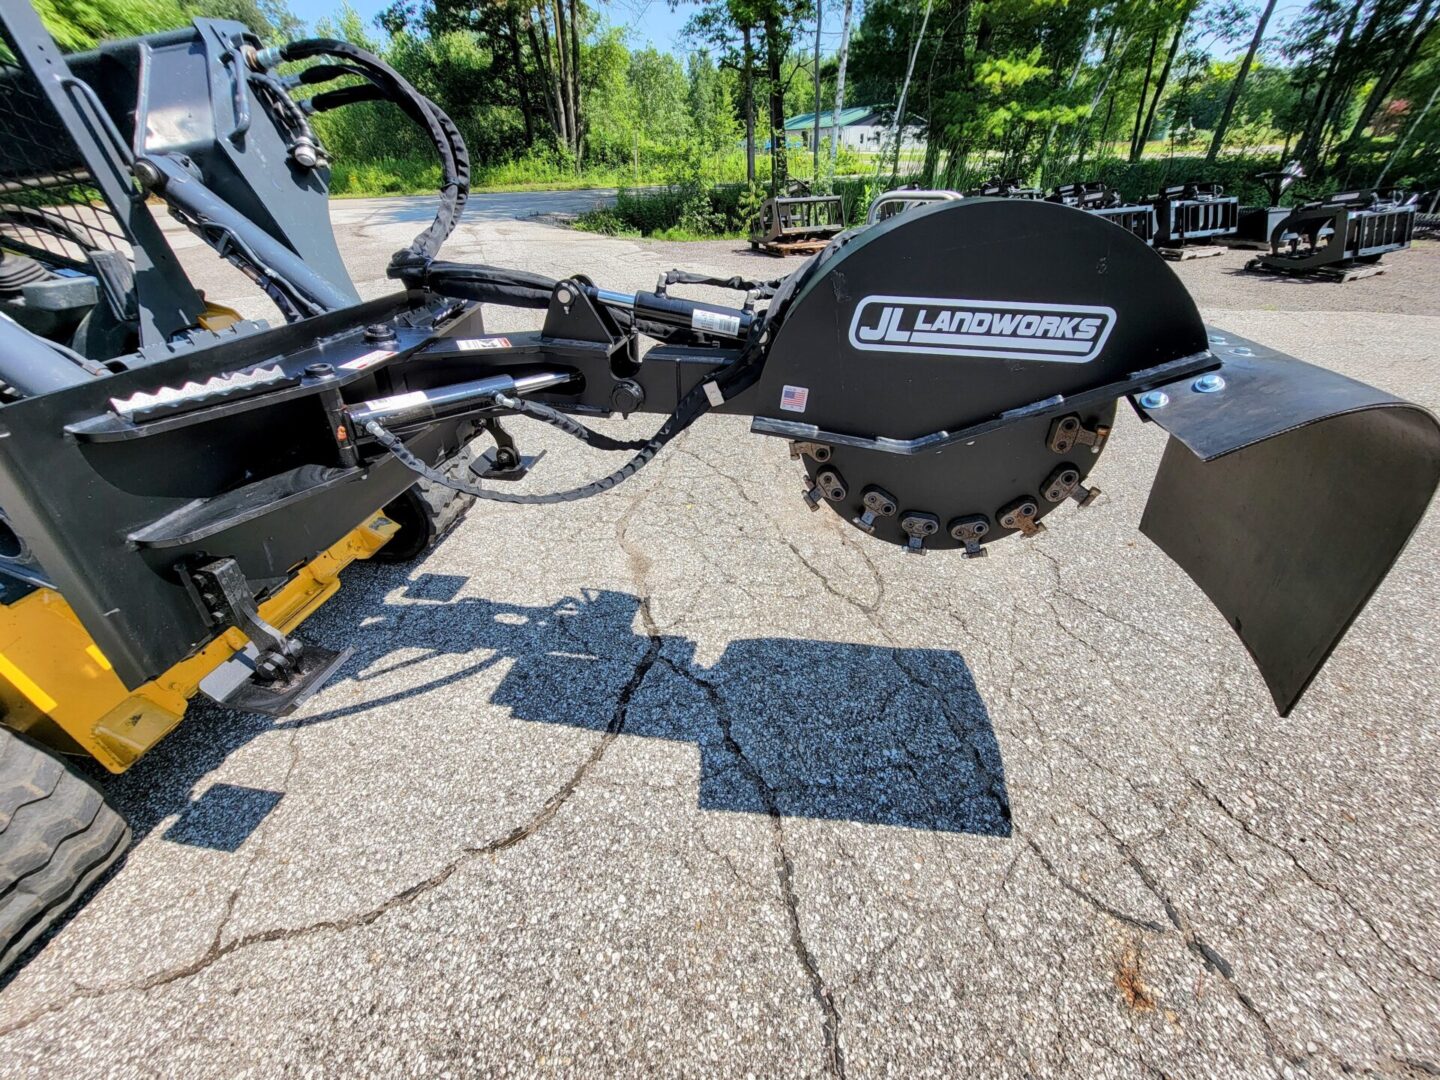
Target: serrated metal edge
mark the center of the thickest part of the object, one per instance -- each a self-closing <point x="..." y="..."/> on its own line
<point x="217" y="387"/>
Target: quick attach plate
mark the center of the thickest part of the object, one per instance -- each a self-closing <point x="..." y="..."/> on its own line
<point x="236" y="683"/>
<point x="274" y="674"/>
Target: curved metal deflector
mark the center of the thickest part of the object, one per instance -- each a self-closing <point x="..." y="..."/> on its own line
<point x="1287" y="494"/>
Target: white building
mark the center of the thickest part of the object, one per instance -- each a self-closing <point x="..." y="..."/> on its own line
<point x="860" y="128"/>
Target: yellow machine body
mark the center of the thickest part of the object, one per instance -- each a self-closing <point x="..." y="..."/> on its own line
<point x="57" y="686"/>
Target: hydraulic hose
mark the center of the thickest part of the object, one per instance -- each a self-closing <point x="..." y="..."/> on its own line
<point x="444" y="136"/>
<point x="723" y="385"/>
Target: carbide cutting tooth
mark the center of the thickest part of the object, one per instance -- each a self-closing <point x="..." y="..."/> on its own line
<point x="877" y="503"/>
<point x="969" y="530"/>
<point x="196" y="395"/>
<point x="919" y="526"/>
<point x="1020" y="515"/>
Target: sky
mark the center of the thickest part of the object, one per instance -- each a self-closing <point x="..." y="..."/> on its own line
<point x="649" y="21"/>
<point x="653" y="22"/>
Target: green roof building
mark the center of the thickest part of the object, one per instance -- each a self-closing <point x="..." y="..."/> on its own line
<point x="862" y="127"/>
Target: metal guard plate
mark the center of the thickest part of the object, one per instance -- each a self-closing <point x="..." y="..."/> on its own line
<point x="1287" y="496"/>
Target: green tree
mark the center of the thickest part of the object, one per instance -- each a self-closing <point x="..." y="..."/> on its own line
<point x="1239" y="84"/>
<point x="712" y="106"/>
<point x="661" y="93"/>
<point x="82" y="24"/>
<point x="614" y="131"/>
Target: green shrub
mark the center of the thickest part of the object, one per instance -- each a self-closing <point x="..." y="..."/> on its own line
<point x="384" y="176"/>
<point x="604" y="221"/>
<point x="856" y="194"/>
<point x="745" y="211"/>
<point x="1234" y="172"/>
<point x="538" y="165"/>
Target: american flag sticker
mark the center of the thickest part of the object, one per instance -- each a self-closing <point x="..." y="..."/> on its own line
<point x="793" y="398"/>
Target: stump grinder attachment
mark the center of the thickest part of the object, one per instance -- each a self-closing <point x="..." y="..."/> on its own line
<point x="939" y="392"/>
<point x="180" y="488"/>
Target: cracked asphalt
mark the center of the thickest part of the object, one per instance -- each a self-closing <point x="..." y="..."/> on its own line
<point x="688" y="780"/>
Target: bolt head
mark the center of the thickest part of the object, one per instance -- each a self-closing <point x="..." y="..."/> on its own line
<point x="1154" y="399"/>
<point x="1209" y="383"/>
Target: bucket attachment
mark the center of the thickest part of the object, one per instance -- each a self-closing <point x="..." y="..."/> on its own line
<point x="1287" y="492"/>
<point x="1256" y="224"/>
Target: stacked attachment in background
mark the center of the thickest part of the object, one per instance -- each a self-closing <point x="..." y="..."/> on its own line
<point x="1100" y="199"/>
<point x="799" y="223"/>
<point x="1341" y="237"/>
<point x="1190" y="212"/>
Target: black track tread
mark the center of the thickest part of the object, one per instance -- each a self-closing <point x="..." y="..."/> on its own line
<point x="442" y="509"/>
<point x="55" y="846"/>
<point x="447" y="506"/>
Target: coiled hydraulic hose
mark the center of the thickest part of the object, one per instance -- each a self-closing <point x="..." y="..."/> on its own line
<point x="388" y="84"/>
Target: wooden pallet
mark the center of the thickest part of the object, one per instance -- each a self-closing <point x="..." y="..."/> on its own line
<point x="1342" y="274"/>
<point x="781" y="248"/>
<point x="1337" y="274"/>
<point x="1191" y="251"/>
<point x="1239" y="243"/>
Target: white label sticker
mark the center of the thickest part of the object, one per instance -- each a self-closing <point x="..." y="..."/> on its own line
<point x="362" y="362"/>
<point x="399" y="401"/>
<point x="713" y="393"/>
<point x="1007" y="329"/>
<point x="794" y="398"/>
<point x="469" y="344"/>
<point x="715" y="322"/>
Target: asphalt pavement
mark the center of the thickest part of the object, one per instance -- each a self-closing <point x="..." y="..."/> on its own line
<point x="687" y="780"/>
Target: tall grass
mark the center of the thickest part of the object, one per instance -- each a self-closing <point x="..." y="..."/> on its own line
<point x="543" y="167"/>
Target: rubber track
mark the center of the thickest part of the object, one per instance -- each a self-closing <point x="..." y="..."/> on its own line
<point x="57" y="837"/>
<point x="443" y="508"/>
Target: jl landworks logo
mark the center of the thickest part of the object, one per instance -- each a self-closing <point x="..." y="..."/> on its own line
<point x="1059" y="333"/>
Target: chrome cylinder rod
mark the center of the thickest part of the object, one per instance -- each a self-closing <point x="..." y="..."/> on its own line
<point x="438" y="401"/>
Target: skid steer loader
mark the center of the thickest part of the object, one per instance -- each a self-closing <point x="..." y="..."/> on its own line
<point x="181" y="488"/>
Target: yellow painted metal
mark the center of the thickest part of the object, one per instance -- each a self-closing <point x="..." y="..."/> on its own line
<point x="218" y="317"/>
<point x="57" y="686"/>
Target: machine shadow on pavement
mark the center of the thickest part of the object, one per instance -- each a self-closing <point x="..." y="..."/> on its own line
<point x="832" y="730"/>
